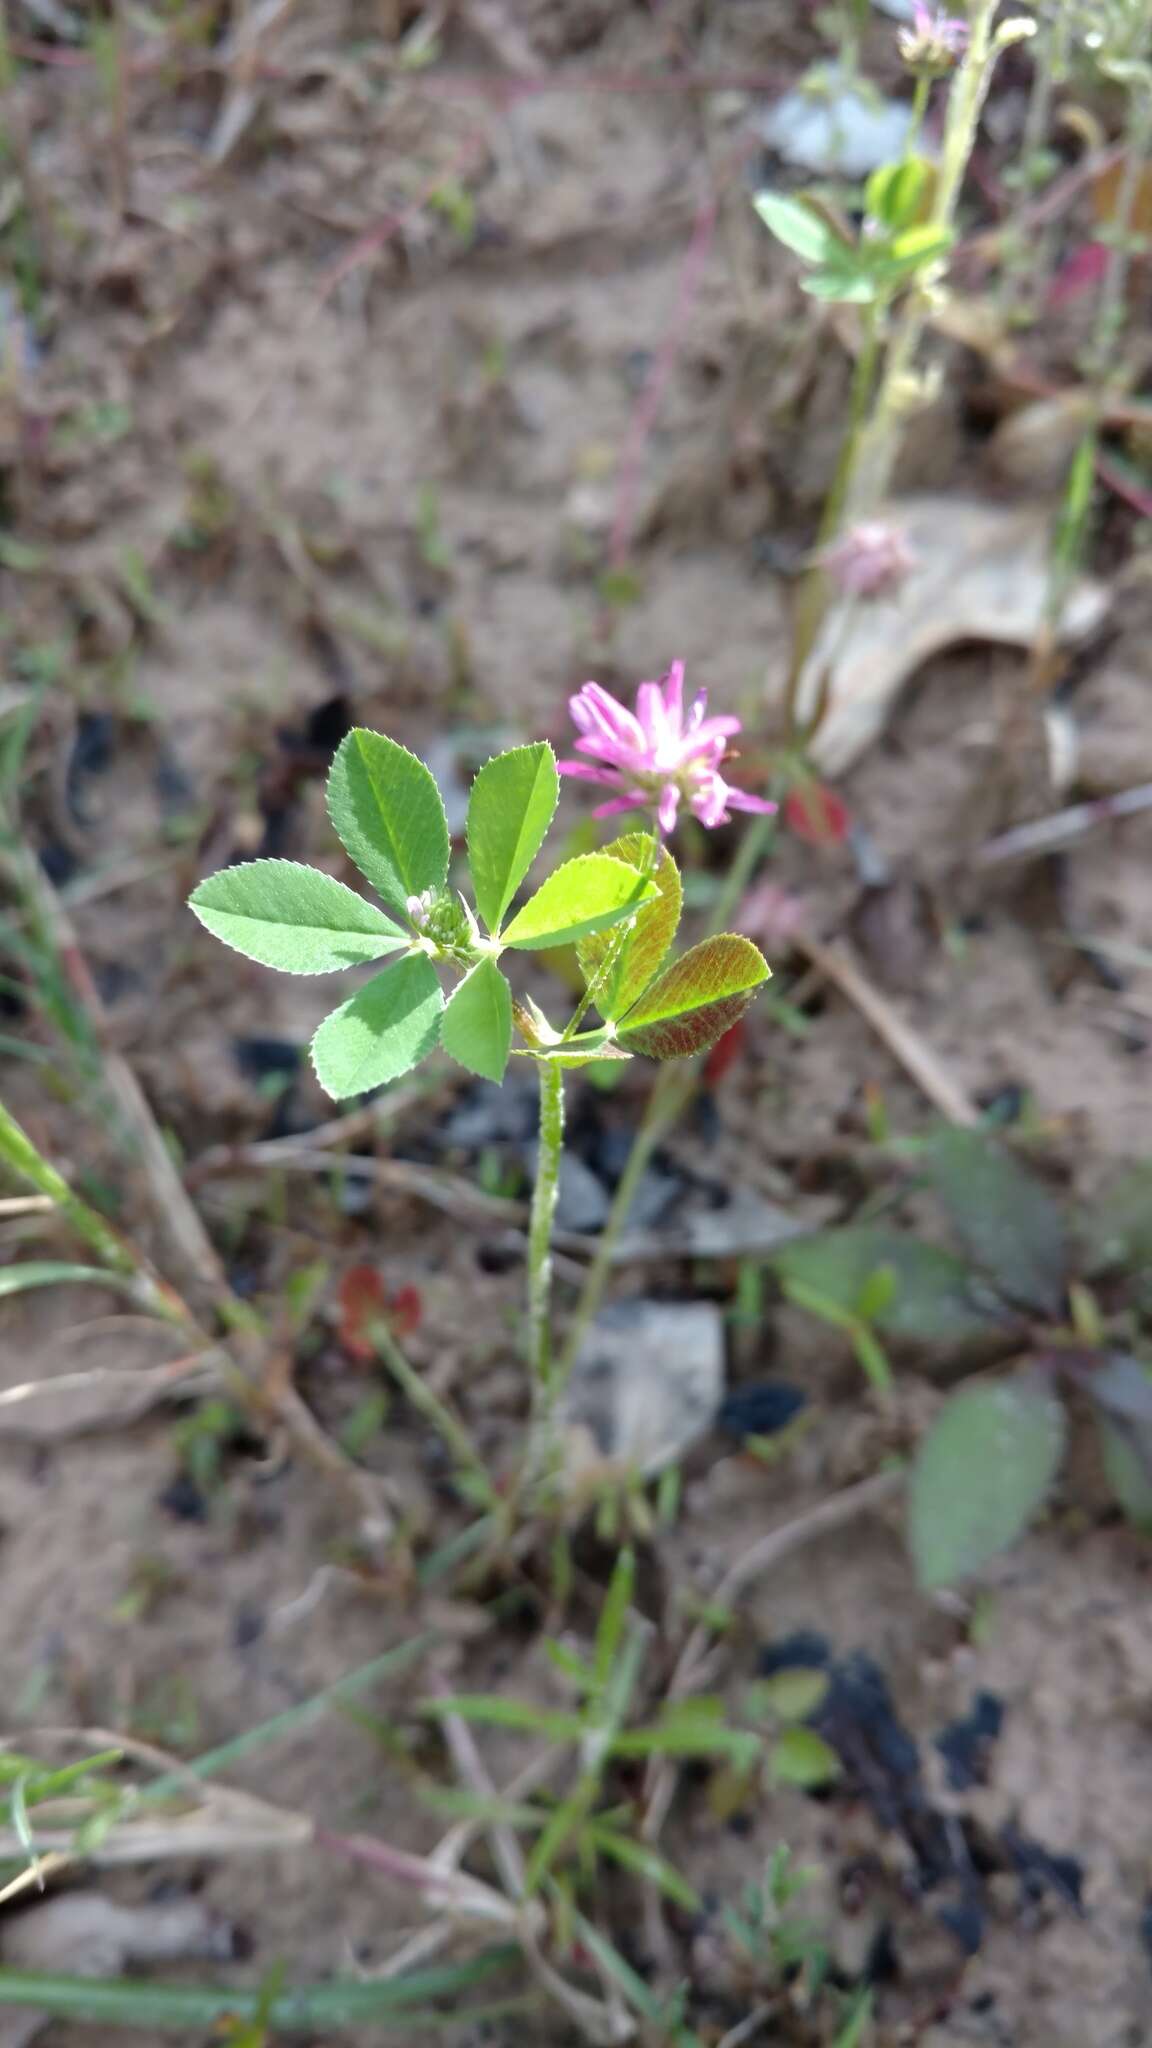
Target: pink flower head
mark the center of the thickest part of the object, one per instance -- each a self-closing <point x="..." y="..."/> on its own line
<point x="871" y="559"/>
<point x="934" y="42"/>
<point x="657" y="755"/>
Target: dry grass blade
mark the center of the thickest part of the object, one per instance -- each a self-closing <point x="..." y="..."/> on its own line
<point x="1048" y="835"/>
<point x="908" y="1047"/>
<point x="602" y="2023"/>
<point x="190" y="1254"/>
<point x="444" y="1191"/>
<point x="696" y="1663"/>
<point x="73" y="1403"/>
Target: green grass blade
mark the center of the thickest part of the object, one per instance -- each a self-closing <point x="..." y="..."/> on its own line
<point x="55" y="1272"/>
<point x="288" y="1722"/>
<point x="392" y="2001"/>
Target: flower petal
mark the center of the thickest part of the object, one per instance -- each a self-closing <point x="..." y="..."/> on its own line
<point x="587" y="773"/>
<point x="595" y="710"/>
<point x="653" y="720"/>
<point x="741" y="800"/>
<point x="668" y="807"/>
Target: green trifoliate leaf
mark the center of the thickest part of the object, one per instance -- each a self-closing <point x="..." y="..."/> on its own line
<point x="386" y="1028"/>
<point x="980" y="1474"/>
<point x="1004" y="1217"/>
<point x="696" y="1000"/>
<point x="581" y="896"/>
<point x="637" y="955"/>
<point x="388" y="815"/>
<point x="477" y="1024"/>
<point x="510" y="808"/>
<point x="293" y="917"/>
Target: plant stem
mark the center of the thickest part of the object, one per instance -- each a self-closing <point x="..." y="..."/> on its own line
<point x="540" y="1232"/>
<point x="880" y="440"/>
<point x="428" y="1404"/>
<point x="920" y="99"/>
<point x="1110" y="306"/>
<point x="1098" y="368"/>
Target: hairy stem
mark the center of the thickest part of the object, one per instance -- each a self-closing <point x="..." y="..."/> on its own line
<point x="540" y="1231"/>
<point x="880" y="440"/>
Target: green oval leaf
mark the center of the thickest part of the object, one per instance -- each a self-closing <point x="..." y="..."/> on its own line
<point x="799" y="227"/>
<point x="476" y="1027"/>
<point x="1004" y="1218"/>
<point x="894" y="194"/>
<point x="386" y="1027"/>
<point x="1126" y="1451"/>
<point x="641" y="952"/>
<point x="934" y="1299"/>
<point x="790" y="1695"/>
<point x="293" y="917"/>
<point x="696" y="1000"/>
<point x="801" y="1757"/>
<point x="980" y="1475"/>
<point x="581" y="896"/>
<point x="843" y="284"/>
<point x="510" y="808"/>
<point x="388" y="815"/>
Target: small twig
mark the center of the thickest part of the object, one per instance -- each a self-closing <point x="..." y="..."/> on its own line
<point x="27" y="1205"/>
<point x="598" y="2023"/>
<point x="445" y="1191"/>
<point x="371" y="1121"/>
<point x="72" y="1403"/>
<point x="909" y="1048"/>
<point x="736" y="2036"/>
<point x="472" y="1771"/>
<point x="1045" y="835"/>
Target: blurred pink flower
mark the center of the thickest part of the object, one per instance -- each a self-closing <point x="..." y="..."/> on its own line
<point x="934" y="42"/>
<point x="657" y="755"/>
<point x="871" y="559"/>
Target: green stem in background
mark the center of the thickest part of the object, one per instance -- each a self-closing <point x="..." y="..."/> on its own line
<point x="20" y="1155"/>
<point x="920" y="99"/>
<point x="1109" y="318"/>
<point x="813" y="596"/>
<point x="859" y="404"/>
<point x="878" y="444"/>
<point x="420" y="1395"/>
<point x="1071" y="533"/>
<point x="882" y="380"/>
<point x="1022" y="277"/>
<point x="544" y="1195"/>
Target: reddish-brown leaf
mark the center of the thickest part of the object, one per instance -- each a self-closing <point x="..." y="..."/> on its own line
<point x="816" y="814"/>
<point x="363" y="1304"/>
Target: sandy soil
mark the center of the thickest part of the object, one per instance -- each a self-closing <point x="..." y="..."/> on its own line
<point x="313" y="430"/>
